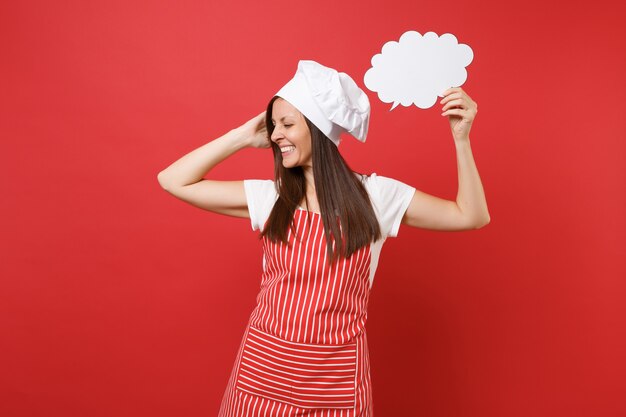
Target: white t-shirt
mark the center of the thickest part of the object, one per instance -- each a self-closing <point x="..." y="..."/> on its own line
<point x="390" y="199"/>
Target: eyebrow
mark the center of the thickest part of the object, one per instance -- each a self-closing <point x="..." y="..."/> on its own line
<point x="282" y="118"/>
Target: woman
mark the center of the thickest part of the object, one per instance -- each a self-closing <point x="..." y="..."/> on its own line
<point x="304" y="351"/>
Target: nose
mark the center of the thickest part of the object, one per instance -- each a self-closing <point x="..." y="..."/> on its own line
<point x="276" y="134"/>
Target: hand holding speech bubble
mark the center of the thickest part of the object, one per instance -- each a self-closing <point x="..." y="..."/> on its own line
<point x="417" y="69"/>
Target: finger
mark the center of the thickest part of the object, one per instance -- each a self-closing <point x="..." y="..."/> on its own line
<point x="450" y="97"/>
<point x="455" y="112"/>
<point x="458" y="102"/>
<point x="452" y="90"/>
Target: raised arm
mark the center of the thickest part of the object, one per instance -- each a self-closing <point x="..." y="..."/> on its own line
<point x="184" y="179"/>
<point x="469" y="211"/>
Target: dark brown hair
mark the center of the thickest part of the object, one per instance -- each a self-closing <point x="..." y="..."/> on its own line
<point x="342" y="198"/>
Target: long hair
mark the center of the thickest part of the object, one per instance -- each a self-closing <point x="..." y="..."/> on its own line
<point x="347" y="213"/>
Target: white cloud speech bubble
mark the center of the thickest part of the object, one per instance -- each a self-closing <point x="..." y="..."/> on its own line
<point x="418" y="69"/>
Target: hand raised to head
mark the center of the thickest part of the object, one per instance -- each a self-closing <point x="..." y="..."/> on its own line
<point x="256" y="132"/>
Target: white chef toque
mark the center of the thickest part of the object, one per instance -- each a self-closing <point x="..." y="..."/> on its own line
<point x="331" y="100"/>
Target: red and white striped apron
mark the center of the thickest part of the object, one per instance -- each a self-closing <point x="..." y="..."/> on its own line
<point x="304" y="351"/>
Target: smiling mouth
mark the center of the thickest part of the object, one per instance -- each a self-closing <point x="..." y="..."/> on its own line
<point x="287" y="149"/>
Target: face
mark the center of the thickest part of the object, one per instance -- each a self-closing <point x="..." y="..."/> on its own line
<point x="291" y="134"/>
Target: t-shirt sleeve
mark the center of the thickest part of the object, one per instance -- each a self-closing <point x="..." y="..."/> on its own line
<point x="261" y="196"/>
<point x="390" y="199"/>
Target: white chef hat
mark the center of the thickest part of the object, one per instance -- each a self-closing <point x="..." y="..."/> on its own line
<point x="331" y="100"/>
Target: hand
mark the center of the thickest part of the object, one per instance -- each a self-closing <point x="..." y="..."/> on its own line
<point x="255" y="132"/>
<point x="461" y="111"/>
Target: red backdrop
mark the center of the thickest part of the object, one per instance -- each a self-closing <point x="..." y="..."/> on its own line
<point x="116" y="299"/>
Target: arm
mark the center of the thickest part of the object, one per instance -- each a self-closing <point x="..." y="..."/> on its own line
<point x="184" y="179"/>
<point x="469" y="211"/>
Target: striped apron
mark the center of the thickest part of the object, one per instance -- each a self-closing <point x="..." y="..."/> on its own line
<point x="304" y="350"/>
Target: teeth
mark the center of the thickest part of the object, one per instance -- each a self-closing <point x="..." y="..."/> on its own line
<point x="287" y="149"/>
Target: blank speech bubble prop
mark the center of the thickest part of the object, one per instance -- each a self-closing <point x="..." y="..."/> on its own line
<point x="417" y="69"/>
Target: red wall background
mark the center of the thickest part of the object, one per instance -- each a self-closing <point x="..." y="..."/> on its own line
<point x="116" y="299"/>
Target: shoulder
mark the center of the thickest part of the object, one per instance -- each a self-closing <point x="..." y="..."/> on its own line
<point x="390" y="199"/>
<point x="375" y="183"/>
<point x="259" y="186"/>
<point x="260" y="191"/>
<point x="260" y="196"/>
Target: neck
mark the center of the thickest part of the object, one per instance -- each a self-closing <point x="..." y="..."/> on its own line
<point x="310" y="197"/>
<point x="310" y="180"/>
